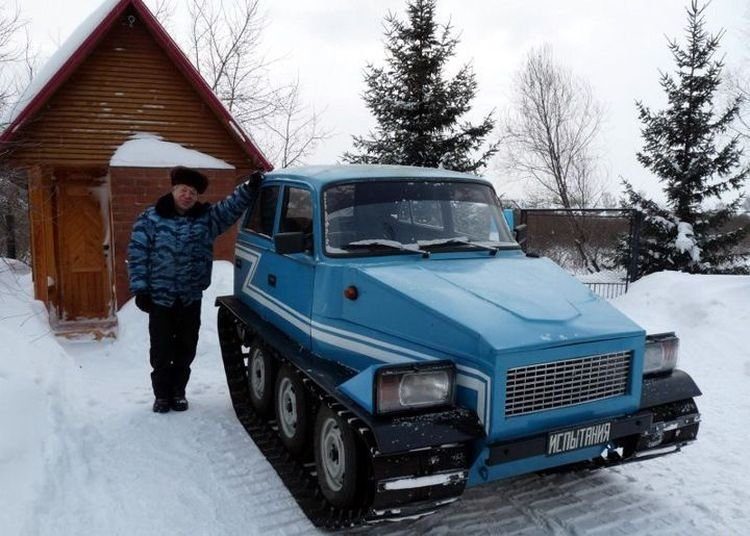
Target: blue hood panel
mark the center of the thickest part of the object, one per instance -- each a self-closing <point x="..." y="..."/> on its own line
<point x="478" y="307"/>
<point x="522" y="293"/>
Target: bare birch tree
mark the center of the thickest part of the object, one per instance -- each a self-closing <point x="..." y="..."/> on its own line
<point x="163" y="11"/>
<point x="549" y="139"/>
<point x="225" y="40"/>
<point x="16" y="69"/>
<point x="295" y="130"/>
<point x="738" y="85"/>
<point x="550" y="132"/>
<point x="11" y="25"/>
<point x="741" y="88"/>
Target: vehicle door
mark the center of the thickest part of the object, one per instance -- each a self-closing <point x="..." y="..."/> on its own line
<point x="280" y="286"/>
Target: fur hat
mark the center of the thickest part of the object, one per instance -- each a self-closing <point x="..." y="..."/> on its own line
<point x="191" y="177"/>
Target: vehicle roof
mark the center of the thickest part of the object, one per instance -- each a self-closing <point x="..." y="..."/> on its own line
<point x="319" y="176"/>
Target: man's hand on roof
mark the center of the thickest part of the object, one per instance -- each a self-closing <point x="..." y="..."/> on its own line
<point x="252" y="181"/>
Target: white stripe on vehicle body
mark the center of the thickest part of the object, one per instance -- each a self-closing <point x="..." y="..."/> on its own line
<point x="358" y="347"/>
<point x="376" y="349"/>
<point x="481" y="386"/>
<point x="250" y="256"/>
<point x="370" y="340"/>
<point x="261" y="298"/>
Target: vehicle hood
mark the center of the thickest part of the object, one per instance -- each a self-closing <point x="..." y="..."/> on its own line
<point x="482" y="306"/>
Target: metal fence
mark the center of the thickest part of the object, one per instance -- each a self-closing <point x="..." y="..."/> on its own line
<point x="608" y="290"/>
<point x="585" y="243"/>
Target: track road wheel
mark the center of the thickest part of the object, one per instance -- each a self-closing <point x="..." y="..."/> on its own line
<point x="292" y="411"/>
<point x="335" y="458"/>
<point x="260" y="377"/>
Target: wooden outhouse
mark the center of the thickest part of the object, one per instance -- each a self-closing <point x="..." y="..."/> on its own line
<point x="120" y="78"/>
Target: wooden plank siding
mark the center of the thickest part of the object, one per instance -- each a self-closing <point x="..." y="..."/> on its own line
<point x="41" y="215"/>
<point x="126" y="86"/>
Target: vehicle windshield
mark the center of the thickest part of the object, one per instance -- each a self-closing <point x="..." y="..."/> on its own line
<point x="379" y="217"/>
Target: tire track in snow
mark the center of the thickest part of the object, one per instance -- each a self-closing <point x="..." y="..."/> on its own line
<point x="249" y="498"/>
<point x="577" y="503"/>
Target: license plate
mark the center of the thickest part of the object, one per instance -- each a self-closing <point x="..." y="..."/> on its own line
<point x="578" y="438"/>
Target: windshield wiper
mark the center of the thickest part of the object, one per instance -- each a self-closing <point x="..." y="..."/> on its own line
<point x="388" y="244"/>
<point x="458" y="241"/>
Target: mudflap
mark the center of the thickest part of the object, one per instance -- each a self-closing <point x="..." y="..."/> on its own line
<point x="398" y="485"/>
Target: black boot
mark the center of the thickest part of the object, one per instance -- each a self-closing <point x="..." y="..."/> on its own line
<point x="179" y="403"/>
<point x="161" y="405"/>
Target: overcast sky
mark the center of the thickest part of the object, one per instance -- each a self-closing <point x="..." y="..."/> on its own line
<point x="618" y="46"/>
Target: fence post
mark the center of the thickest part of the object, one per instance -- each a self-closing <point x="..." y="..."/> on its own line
<point x="524" y="225"/>
<point x="636" y="220"/>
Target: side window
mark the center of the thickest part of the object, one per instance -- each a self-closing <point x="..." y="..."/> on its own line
<point x="264" y="211"/>
<point x="296" y="212"/>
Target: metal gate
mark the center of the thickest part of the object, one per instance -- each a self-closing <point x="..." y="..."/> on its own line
<point x="585" y="242"/>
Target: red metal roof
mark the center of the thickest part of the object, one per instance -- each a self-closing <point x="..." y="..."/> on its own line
<point x="160" y="35"/>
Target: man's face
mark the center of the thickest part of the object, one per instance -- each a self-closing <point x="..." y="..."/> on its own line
<point x="184" y="197"/>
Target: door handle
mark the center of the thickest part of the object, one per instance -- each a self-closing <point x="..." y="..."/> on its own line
<point x="272" y="280"/>
<point x="238" y="263"/>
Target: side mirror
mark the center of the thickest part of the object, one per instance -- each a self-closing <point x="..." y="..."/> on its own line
<point x="285" y="243"/>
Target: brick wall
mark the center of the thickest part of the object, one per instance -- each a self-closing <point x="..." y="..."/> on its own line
<point x="135" y="189"/>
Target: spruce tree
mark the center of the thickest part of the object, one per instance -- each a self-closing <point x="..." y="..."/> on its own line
<point x="418" y="110"/>
<point x="687" y="146"/>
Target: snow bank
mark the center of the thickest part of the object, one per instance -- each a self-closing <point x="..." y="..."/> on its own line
<point x="34" y="371"/>
<point x="43" y="402"/>
<point x="714" y="307"/>
<point x="710" y="314"/>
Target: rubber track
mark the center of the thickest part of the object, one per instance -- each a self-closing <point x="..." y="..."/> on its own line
<point x="301" y="481"/>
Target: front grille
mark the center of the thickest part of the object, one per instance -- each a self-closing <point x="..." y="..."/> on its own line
<point x="566" y="383"/>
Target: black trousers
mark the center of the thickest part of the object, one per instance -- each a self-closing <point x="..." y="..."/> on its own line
<point x="174" y="337"/>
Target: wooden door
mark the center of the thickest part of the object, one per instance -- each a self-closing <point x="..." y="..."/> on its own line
<point x="86" y="287"/>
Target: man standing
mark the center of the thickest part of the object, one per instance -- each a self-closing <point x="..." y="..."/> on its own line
<point x="169" y="265"/>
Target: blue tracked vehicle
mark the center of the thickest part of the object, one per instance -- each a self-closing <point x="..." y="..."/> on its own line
<point x="389" y="344"/>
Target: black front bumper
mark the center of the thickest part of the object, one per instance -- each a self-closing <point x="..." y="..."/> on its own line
<point x="509" y="451"/>
<point x="635" y="436"/>
<point x="667" y="420"/>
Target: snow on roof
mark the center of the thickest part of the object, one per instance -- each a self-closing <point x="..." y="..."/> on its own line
<point x="59" y="58"/>
<point x="150" y="150"/>
<point x="63" y="61"/>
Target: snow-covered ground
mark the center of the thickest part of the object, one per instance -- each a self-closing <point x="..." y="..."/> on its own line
<point x="81" y="453"/>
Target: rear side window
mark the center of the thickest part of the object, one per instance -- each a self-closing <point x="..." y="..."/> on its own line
<point x="264" y="211"/>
